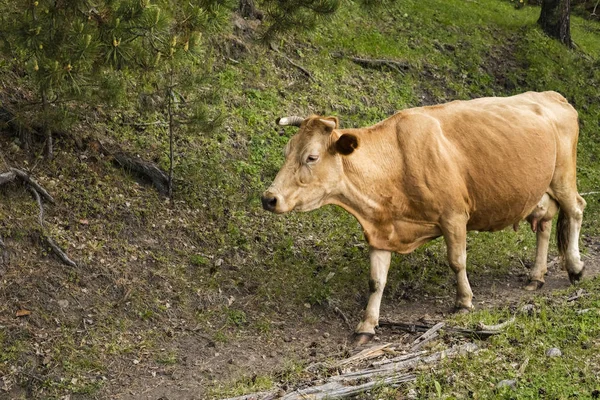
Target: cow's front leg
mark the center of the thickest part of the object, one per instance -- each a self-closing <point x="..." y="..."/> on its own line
<point x="455" y="236"/>
<point x="380" y="264"/>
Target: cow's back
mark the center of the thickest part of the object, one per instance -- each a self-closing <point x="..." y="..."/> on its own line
<point x="492" y="157"/>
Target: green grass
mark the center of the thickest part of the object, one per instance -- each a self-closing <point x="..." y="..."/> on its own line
<point x="214" y="257"/>
<point x="520" y="353"/>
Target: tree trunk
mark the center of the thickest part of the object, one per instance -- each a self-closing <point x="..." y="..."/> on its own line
<point x="49" y="151"/>
<point x="555" y="20"/>
<point x="247" y="9"/>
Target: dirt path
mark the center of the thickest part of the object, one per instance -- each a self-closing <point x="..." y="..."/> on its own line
<point x="206" y="365"/>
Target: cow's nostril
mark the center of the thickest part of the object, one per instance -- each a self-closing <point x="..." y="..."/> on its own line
<point x="269" y="202"/>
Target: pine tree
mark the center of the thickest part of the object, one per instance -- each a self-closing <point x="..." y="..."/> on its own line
<point x="175" y="61"/>
<point x="56" y="45"/>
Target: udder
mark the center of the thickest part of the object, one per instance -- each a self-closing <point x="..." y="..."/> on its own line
<point x="542" y="214"/>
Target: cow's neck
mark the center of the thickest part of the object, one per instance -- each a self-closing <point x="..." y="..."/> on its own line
<point x="372" y="190"/>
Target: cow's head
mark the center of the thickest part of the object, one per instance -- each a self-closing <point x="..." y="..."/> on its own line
<point x="313" y="168"/>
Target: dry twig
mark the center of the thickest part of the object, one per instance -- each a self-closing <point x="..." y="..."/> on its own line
<point x="343" y="316"/>
<point x="498" y="327"/>
<point x="427" y="336"/>
<point x="412" y="328"/>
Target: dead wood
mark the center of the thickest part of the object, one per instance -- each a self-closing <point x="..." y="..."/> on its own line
<point x="578" y="294"/>
<point x="403" y="357"/>
<point x="338" y="390"/>
<point x="428" y="336"/>
<point x="391" y="373"/>
<point x="365" y="354"/>
<point x="413" y="328"/>
<point x="498" y="327"/>
<point x="133" y="164"/>
<point x="145" y="169"/>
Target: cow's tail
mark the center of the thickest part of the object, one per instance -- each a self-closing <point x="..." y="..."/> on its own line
<point x="562" y="235"/>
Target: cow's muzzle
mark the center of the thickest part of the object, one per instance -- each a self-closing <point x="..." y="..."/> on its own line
<point x="269" y="202"/>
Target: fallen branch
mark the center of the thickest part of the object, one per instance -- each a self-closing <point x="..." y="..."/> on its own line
<point x="146" y="169"/>
<point x="337" y="390"/>
<point x="403" y="357"/>
<point x="372" y="352"/>
<point x="588" y="193"/>
<point x="348" y="384"/>
<point x="428" y="336"/>
<point x="578" y="294"/>
<point x="498" y="327"/>
<point x="413" y="328"/>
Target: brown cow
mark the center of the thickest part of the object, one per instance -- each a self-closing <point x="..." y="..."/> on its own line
<point x="442" y="170"/>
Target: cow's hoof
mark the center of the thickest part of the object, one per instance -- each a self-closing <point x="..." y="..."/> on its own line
<point x="361" y="338"/>
<point x="462" y="309"/>
<point x="576" y="277"/>
<point x="533" y="284"/>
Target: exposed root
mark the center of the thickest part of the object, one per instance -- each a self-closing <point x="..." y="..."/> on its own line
<point x="343" y="317"/>
<point x="300" y="67"/>
<point x="59" y="252"/>
<point x="144" y="169"/>
<point x="38" y="192"/>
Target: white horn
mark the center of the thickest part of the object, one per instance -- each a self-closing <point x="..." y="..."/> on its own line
<point x="293" y="120"/>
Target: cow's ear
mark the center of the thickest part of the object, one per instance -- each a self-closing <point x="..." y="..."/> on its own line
<point x="346" y="144"/>
<point x="331" y="123"/>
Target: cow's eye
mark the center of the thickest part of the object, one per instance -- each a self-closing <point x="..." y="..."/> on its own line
<point x="311" y="158"/>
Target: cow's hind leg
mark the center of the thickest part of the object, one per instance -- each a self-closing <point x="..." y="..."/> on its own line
<point x="455" y="235"/>
<point x="541" y="224"/>
<point x="568" y="228"/>
<point x="380" y="264"/>
<point x="536" y="275"/>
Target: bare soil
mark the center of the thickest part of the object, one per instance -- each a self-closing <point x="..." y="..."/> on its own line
<point x="208" y="365"/>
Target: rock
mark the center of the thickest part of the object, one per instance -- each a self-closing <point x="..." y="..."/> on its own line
<point x="63" y="303"/>
<point x="510" y="383"/>
<point x="553" y="352"/>
<point x="528" y="309"/>
<point x="326" y="335"/>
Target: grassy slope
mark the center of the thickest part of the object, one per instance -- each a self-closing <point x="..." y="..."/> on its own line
<point x="520" y="354"/>
<point x="140" y="291"/>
